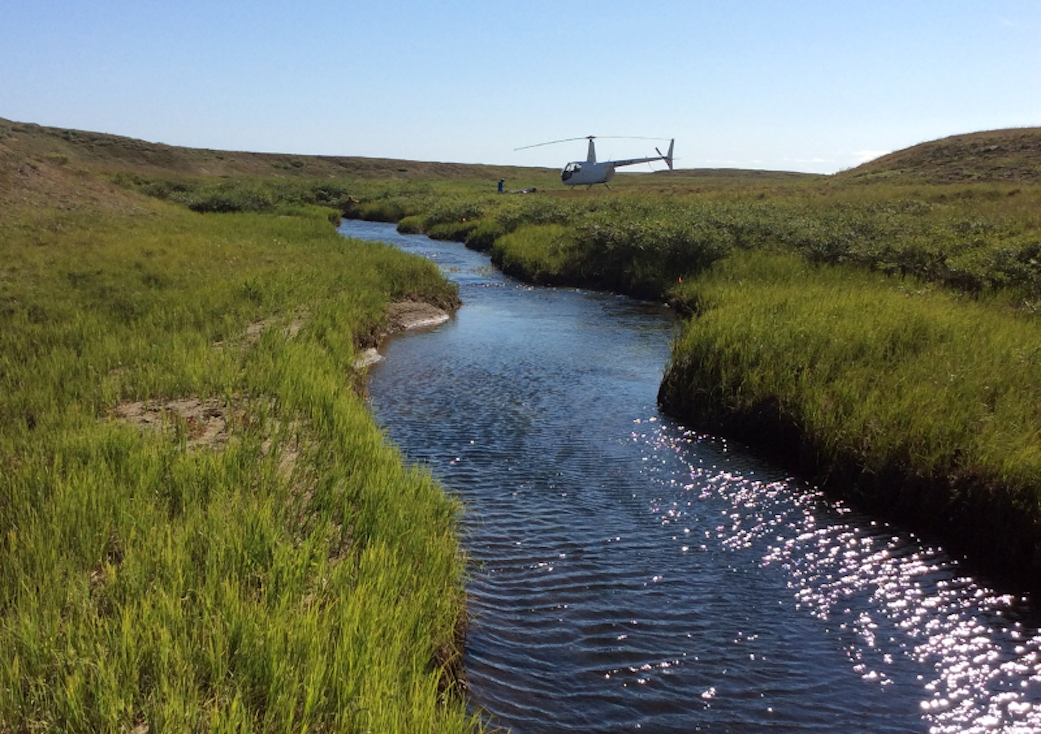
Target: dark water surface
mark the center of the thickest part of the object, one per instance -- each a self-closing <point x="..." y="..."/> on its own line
<point x="633" y="575"/>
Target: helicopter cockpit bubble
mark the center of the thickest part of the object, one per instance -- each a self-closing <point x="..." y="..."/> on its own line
<point x="569" y="170"/>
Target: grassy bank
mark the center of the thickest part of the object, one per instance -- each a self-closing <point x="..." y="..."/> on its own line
<point x="980" y="240"/>
<point x="200" y="525"/>
<point x="916" y="402"/>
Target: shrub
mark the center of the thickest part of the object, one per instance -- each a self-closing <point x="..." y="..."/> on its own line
<point x="454" y="231"/>
<point x="484" y="234"/>
<point x="412" y="225"/>
<point x="379" y="211"/>
<point x="535" y="252"/>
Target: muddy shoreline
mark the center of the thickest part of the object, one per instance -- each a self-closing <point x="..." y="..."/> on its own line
<point x="406" y="315"/>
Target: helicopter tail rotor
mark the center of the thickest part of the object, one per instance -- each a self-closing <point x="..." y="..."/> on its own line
<point x="667" y="157"/>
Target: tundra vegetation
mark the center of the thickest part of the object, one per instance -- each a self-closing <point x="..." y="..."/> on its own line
<point x="200" y="526"/>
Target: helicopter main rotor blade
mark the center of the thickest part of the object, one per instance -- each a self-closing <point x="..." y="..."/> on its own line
<point x="554" y="142"/>
<point x="589" y="137"/>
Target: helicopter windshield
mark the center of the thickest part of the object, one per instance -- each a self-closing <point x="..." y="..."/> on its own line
<point x="570" y="170"/>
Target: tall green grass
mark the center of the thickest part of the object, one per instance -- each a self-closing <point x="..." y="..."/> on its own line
<point x="259" y="194"/>
<point x="974" y="239"/>
<point x="886" y="371"/>
<point x="299" y="577"/>
<point x="924" y="401"/>
<point x="537" y="253"/>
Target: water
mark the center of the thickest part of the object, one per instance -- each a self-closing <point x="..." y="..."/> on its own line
<point x="633" y="575"/>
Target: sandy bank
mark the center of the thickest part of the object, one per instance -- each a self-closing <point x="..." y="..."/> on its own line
<point x="405" y="315"/>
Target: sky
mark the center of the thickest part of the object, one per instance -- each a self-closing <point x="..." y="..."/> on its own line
<point x="798" y="85"/>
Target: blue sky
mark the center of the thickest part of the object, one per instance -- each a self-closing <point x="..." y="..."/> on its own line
<point x="803" y="85"/>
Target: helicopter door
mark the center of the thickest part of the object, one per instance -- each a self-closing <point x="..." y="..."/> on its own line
<point x="570" y="170"/>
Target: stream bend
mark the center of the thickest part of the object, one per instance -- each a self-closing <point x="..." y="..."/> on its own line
<point x="633" y="575"/>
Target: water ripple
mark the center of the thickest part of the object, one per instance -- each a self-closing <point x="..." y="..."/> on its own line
<point x="903" y="609"/>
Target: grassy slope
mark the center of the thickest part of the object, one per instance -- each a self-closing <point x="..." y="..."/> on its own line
<point x="297" y="576"/>
<point x="994" y="156"/>
<point x="109" y="153"/>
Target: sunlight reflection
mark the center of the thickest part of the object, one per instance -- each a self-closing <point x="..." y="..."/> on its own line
<point x="900" y="605"/>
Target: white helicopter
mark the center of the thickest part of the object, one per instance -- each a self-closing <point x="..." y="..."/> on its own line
<point x="590" y="171"/>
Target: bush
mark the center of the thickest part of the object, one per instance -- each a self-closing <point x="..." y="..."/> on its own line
<point x="379" y="211"/>
<point x="645" y="257"/>
<point x="484" y="234"/>
<point x="454" y="210"/>
<point x="240" y="195"/>
<point x="412" y="225"/>
<point x="454" y="231"/>
<point x="536" y="210"/>
<point x="230" y="197"/>
<point x="537" y="253"/>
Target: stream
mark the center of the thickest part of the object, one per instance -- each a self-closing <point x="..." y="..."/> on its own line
<point x="632" y="574"/>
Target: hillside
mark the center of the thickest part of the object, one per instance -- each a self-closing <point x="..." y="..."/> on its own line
<point x="46" y="181"/>
<point x="994" y="156"/>
<point x="57" y="165"/>
<point x="104" y="153"/>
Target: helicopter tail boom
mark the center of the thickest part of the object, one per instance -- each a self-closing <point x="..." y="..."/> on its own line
<point x="667" y="158"/>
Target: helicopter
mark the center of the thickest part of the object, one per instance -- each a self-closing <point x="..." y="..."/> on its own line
<point x="590" y="171"/>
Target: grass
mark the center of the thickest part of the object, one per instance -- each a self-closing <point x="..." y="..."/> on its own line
<point x="298" y="576"/>
<point x="958" y="396"/>
<point x="911" y="399"/>
<point x="537" y="252"/>
<point x="977" y="239"/>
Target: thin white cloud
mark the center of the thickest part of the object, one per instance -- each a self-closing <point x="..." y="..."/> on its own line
<point x="863" y="156"/>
